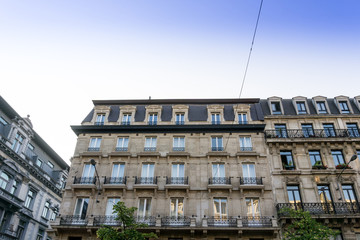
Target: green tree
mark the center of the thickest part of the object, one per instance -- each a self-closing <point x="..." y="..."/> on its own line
<point x="304" y="227"/>
<point x="128" y="229"/>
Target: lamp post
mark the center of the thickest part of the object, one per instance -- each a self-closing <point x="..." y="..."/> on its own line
<point x="92" y="162"/>
<point x="353" y="158"/>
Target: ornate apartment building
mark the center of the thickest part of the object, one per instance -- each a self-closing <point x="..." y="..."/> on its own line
<point x="219" y="169"/>
<point x="32" y="177"/>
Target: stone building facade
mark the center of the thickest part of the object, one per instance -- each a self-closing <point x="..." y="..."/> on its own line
<point x="214" y="168"/>
<point x="32" y="177"/>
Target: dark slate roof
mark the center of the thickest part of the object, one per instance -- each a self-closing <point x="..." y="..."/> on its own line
<point x="229" y="113"/>
<point x="140" y="113"/>
<point x="198" y="113"/>
<point x="166" y="113"/>
<point x="89" y="116"/>
<point x="312" y="108"/>
<point x="332" y="106"/>
<point x="256" y="112"/>
<point x="265" y="107"/>
<point x="114" y="114"/>
<point x="354" y="107"/>
<point x="288" y="107"/>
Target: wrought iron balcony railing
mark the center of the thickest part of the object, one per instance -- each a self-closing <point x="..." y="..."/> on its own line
<point x="251" y="181"/>
<point x="222" y="222"/>
<point x="177" y="180"/>
<point x="179" y="221"/>
<point x="10" y="197"/>
<point x="106" y="220"/>
<point x="220" y="180"/>
<point x="84" y="180"/>
<point x="93" y="149"/>
<point x="217" y="149"/>
<point x="178" y="149"/>
<point x="149" y="149"/>
<point x="333" y="208"/>
<point x="246" y="149"/>
<point x="146" y="180"/>
<point x="115" y="180"/>
<point x="121" y="149"/>
<point x="257" y="221"/>
<point x="73" y="220"/>
<point x="149" y="220"/>
<point x="315" y="133"/>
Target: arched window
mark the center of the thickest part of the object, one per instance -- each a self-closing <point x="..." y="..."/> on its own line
<point x="4" y="180"/>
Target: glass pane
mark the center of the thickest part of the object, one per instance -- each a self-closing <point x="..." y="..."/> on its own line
<point x="217" y="208"/>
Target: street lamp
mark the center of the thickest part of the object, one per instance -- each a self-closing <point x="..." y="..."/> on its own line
<point x="353" y="158"/>
<point x="92" y="162"/>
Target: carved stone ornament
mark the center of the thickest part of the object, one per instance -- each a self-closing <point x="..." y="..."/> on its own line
<point x="292" y="179"/>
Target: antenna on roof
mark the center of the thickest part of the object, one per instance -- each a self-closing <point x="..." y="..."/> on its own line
<point x="149" y="97"/>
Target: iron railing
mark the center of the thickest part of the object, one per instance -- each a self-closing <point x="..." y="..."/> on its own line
<point x="251" y="181"/>
<point x="177" y="180"/>
<point x="333" y="208"/>
<point x="146" y="180"/>
<point x="178" y="149"/>
<point x="217" y="149"/>
<point x="121" y="149"/>
<point x="10" y="197"/>
<point x="149" y="149"/>
<point x="315" y="133"/>
<point x="84" y="180"/>
<point x="222" y="222"/>
<point x="175" y="221"/>
<point x="220" y="180"/>
<point x="73" y="220"/>
<point x="106" y="220"/>
<point x="115" y="180"/>
<point x="257" y="221"/>
<point x="149" y="220"/>
<point x="93" y="149"/>
<point x="246" y="149"/>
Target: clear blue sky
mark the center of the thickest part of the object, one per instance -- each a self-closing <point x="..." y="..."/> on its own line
<point x="56" y="56"/>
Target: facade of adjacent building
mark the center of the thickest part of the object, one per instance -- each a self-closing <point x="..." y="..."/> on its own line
<point x="214" y="168"/>
<point x="32" y="177"/>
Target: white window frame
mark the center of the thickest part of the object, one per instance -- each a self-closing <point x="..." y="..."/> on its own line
<point x="245" y="143"/>
<point x="174" y="203"/>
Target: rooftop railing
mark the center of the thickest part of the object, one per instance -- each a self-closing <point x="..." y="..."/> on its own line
<point x="315" y="133"/>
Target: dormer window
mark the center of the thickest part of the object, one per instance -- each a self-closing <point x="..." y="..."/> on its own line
<point x="344" y="107"/>
<point x="321" y="107"/>
<point x="242" y="117"/>
<point x="126" y="119"/>
<point x="275" y="107"/>
<point x="100" y="119"/>
<point x="180" y="119"/>
<point x="215" y="118"/>
<point x="153" y="117"/>
<point x="18" y="141"/>
<point x="301" y="107"/>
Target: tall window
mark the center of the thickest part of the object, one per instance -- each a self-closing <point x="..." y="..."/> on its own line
<point x="349" y="193"/>
<point x="94" y="144"/>
<point x="353" y="130"/>
<point x="280" y="130"/>
<point x="88" y="174"/>
<point x="218" y="170"/>
<point x="81" y="207"/>
<point x="245" y="144"/>
<point x="122" y="144"/>
<point x="50" y="164"/>
<point x="275" y="107"/>
<point x="14" y="187"/>
<point x="118" y="170"/>
<point x="301" y="107"/>
<point x="180" y="119"/>
<point x="329" y="129"/>
<point x="147" y="173"/>
<point x="324" y="193"/>
<point x="338" y="157"/>
<point x="126" y="120"/>
<point x="344" y="107"/>
<point x="220" y="208"/>
<point x="176" y="207"/>
<point x="287" y="160"/>
<point x="110" y="205"/>
<point x="307" y="129"/>
<point x="294" y="194"/>
<point x="40" y="234"/>
<point x="249" y="175"/>
<point x="177" y="173"/>
<point x="242" y="117"/>
<point x="144" y="209"/>
<point x="253" y="207"/>
<point x="217" y="144"/>
<point x="215" y="118"/>
<point x="18" y="141"/>
<point x="179" y="144"/>
<point x="20" y="229"/>
<point x="153" y="117"/>
<point x="100" y="119"/>
<point x="4" y="180"/>
<point x="46" y="210"/>
<point x="315" y="158"/>
<point x="30" y="199"/>
<point x="321" y="107"/>
<point x="150" y="144"/>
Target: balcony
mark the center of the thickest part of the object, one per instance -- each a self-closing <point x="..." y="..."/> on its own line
<point x="84" y="180"/>
<point x="246" y="149"/>
<point x="217" y="149"/>
<point x="149" y="149"/>
<point x="220" y="181"/>
<point x="121" y="149"/>
<point x="115" y="180"/>
<point x="315" y="133"/>
<point x="146" y="180"/>
<point x="175" y="221"/>
<point x="251" y="181"/>
<point x="93" y="149"/>
<point x="222" y="222"/>
<point x="178" y="149"/>
<point x="177" y="180"/>
<point x="10" y="198"/>
<point x="149" y="220"/>
<point x="257" y="222"/>
<point x="106" y="220"/>
<point x="335" y="208"/>
<point x="8" y="234"/>
<point x="71" y="220"/>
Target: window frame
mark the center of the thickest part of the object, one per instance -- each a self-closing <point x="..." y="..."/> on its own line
<point x="30" y="199"/>
<point x="301" y="107"/>
<point x="95" y="144"/>
<point x="219" y="144"/>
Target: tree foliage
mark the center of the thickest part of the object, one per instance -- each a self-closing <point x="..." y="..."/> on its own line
<point x="304" y="227"/>
<point x="128" y="229"/>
